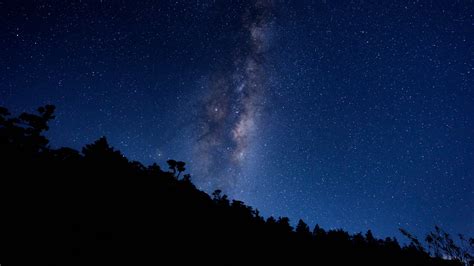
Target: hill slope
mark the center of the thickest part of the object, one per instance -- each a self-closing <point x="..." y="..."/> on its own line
<point x="96" y="207"/>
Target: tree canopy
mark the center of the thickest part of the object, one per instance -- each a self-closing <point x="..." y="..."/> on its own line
<point x="93" y="207"/>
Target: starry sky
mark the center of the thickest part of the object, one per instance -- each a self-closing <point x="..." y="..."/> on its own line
<point x="350" y="114"/>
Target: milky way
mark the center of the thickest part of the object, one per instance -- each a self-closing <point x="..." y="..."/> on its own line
<point x="231" y="112"/>
<point x="349" y="114"/>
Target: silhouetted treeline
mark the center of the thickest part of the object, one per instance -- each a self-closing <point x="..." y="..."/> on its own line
<point x="96" y="207"/>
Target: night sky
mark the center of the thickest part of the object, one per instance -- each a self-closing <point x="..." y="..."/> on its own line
<point x="350" y="114"/>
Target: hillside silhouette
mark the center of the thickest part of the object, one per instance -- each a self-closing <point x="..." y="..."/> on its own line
<point x="96" y="207"/>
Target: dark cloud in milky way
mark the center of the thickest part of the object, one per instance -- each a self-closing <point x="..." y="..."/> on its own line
<point x="231" y="111"/>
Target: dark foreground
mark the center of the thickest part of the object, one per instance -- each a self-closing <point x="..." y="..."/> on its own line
<point x="95" y="207"/>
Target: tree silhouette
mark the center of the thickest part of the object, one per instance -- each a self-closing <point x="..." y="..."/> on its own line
<point x="172" y="165"/>
<point x="23" y="134"/>
<point x="318" y="232"/>
<point x="180" y="167"/>
<point x="414" y="242"/>
<point x="66" y="207"/>
<point x="442" y="245"/>
<point x="369" y="237"/>
<point x="176" y="167"/>
<point x="100" y="150"/>
<point x="302" y="228"/>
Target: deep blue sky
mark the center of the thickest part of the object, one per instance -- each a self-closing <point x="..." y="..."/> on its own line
<point x="350" y="114"/>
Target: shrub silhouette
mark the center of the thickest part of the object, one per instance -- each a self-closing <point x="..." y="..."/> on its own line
<point x="442" y="245"/>
<point x="95" y="207"/>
